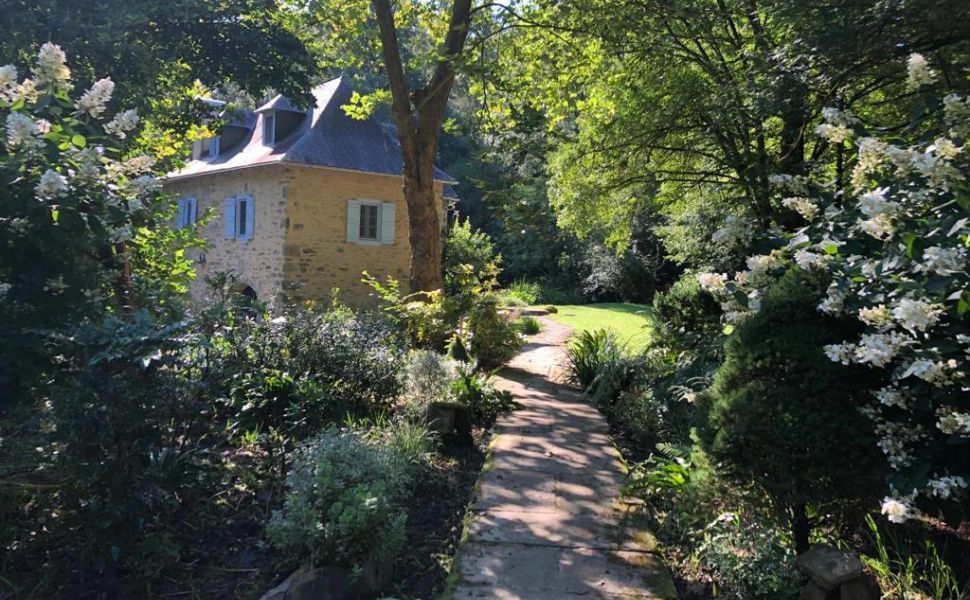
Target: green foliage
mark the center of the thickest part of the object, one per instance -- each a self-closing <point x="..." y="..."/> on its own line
<point x="530" y="293"/>
<point x="905" y="571"/>
<point x="687" y="319"/>
<point x="527" y="325"/>
<point x="492" y="340"/>
<point x="344" y="503"/>
<point x="427" y="318"/>
<point x="476" y="391"/>
<point x="300" y="371"/>
<point x="470" y="261"/>
<point x="751" y="558"/>
<point x="781" y="414"/>
<point x="589" y="355"/>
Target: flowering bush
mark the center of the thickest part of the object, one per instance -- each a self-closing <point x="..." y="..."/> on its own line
<point x="894" y="240"/>
<point x="72" y="202"/>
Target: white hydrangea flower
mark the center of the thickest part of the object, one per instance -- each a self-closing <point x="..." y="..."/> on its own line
<point x="874" y="203"/>
<point x="55" y="286"/>
<point x="803" y="206"/>
<point x="712" y="282"/>
<point x="840" y="353"/>
<point x="919" y="72"/>
<point x="51" y="185"/>
<point x="952" y="422"/>
<point x="880" y="226"/>
<point x="891" y="396"/>
<point x="877" y="316"/>
<point x="22" y="132"/>
<point x="942" y="261"/>
<point x="808" y="260"/>
<point x="916" y="315"/>
<point x="95" y="100"/>
<point x="88" y="161"/>
<point x="943" y="487"/>
<point x="834" y="302"/>
<point x="896" y="511"/>
<point x="8" y="80"/>
<point x="122" y="123"/>
<point x="733" y="233"/>
<point x="51" y="69"/>
<point x="871" y="154"/>
<point x="5" y="289"/>
<point x="939" y="373"/>
<point x="878" y="349"/>
<point x="26" y="91"/>
<point x="836" y="134"/>
<point x="945" y="148"/>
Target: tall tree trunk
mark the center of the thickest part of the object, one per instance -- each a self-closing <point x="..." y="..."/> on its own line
<point x="800" y="528"/>
<point x="418" y="116"/>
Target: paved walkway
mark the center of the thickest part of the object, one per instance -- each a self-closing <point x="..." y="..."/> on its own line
<point x="547" y="521"/>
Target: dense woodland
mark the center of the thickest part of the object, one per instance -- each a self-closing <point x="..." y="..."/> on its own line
<point x="782" y="185"/>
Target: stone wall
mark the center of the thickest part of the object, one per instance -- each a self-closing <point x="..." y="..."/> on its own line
<point x="300" y="231"/>
<point x="259" y="261"/>
<point x="317" y="253"/>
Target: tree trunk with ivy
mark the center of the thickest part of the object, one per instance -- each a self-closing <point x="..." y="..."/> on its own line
<point x="418" y="115"/>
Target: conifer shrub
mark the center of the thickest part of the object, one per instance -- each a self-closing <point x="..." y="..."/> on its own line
<point x="782" y="415"/>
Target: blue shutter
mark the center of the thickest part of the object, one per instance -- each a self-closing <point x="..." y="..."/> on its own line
<point x="229" y="216"/>
<point x="353" y="221"/>
<point x="250" y="218"/>
<point x="180" y="217"/>
<point x="387" y="222"/>
<point x="193" y="209"/>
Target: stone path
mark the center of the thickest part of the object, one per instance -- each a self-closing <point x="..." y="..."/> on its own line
<point x="547" y="521"/>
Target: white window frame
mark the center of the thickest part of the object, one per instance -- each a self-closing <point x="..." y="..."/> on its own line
<point x="386" y="222"/>
<point x="377" y="206"/>
<point x="269" y="129"/>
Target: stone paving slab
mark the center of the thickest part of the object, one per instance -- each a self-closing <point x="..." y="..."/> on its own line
<point x="547" y="522"/>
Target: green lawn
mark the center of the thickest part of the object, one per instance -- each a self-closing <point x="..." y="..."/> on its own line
<point x="630" y="321"/>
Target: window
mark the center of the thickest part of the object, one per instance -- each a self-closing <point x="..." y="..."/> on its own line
<point x="269" y="129"/>
<point x="370" y="222"/>
<point x="213" y="147"/>
<point x="186" y="213"/>
<point x="239" y="217"/>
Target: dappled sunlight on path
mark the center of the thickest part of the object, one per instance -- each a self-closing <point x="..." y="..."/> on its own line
<point x="547" y="518"/>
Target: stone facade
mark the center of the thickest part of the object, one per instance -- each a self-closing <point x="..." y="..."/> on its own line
<point x="300" y="231"/>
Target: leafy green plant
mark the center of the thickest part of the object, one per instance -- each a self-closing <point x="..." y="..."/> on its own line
<point x="587" y="354"/>
<point x="477" y="391"/>
<point x="781" y="414"/>
<point x="530" y="293"/>
<point x="345" y="502"/>
<point x="908" y="574"/>
<point x="527" y="325"/>
<point x="492" y="340"/>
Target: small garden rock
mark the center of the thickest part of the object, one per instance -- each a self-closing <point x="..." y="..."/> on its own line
<point x="829" y="567"/>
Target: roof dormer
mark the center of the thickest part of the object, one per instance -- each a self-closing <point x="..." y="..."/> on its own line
<point x="280" y="118"/>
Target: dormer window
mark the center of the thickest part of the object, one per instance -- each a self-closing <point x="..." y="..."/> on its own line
<point x="269" y="129"/>
<point x="213" y="147"/>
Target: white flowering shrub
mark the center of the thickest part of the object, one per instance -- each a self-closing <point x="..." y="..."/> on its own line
<point x="894" y="239"/>
<point x="73" y="200"/>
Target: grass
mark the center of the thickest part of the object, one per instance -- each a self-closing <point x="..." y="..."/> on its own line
<point x="630" y="321"/>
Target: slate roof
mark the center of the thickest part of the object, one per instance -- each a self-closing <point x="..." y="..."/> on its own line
<point x="327" y="137"/>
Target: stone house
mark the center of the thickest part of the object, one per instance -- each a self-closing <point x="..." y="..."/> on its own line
<point x="301" y="200"/>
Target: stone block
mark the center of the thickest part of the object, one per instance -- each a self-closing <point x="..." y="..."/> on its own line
<point x="828" y="566"/>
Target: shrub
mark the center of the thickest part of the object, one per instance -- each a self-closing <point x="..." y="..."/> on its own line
<point x="529" y="293"/>
<point x="491" y="338"/>
<point x="598" y="364"/>
<point x="299" y="372"/>
<point x="469" y="259"/>
<point x="779" y="413"/>
<point x="477" y="391"/>
<point x="429" y="375"/>
<point x="687" y="319"/>
<point x="528" y="325"/>
<point x="345" y="502"/>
